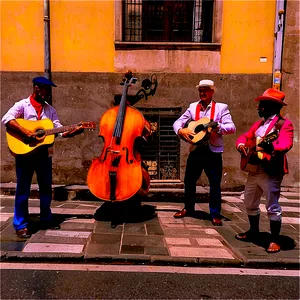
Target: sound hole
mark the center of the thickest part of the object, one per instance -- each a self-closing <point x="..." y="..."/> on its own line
<point x="199" y="128"/>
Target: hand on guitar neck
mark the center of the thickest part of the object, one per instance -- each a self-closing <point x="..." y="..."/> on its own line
<point x="77" y="130"/>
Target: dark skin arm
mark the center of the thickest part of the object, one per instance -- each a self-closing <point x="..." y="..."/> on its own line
<point x="242" y="149"/>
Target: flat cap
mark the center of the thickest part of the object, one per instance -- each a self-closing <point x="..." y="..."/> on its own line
<point x="42" y="80"/>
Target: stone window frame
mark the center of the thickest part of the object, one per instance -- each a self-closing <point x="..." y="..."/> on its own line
<point x="214" y="45"/>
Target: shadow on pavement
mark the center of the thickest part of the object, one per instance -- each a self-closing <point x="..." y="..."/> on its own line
<point x="129" y="211"/>
<point x="285" y="242"/>
<point x="34" y="224"/>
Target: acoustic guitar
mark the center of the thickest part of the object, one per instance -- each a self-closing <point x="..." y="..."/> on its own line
<point x="44" y="134"/>
<point x="202" y="128"/>
<point x="254" y="155"/>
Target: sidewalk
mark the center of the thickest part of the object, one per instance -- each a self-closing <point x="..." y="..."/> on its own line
<point x="150" y="235"/>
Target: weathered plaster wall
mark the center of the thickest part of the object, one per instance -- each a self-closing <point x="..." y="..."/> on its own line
<point x="86" y="96"/>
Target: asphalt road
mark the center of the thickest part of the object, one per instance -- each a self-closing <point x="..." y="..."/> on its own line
<point x="41" y="281"/>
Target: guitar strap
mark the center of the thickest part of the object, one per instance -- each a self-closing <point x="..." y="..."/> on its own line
<point x="212" y="111"/>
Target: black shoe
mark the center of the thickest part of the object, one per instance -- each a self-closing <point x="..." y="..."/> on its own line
<point x="50" y="225"/>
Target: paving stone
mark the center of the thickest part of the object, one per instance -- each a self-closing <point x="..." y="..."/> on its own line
<point x="182" y="226"/>
<point x="5" y="217"/>
<point x="35" y="210"/>
<point x="184" y="232"/>
<point x="290" y="220"/>
<point x="76" y="211"/>
<point x="178" y="241"/>
<point x="128" y="249"/>
<point x="105" y="227"/>
<point x="106" y="239"/>
<point x="12" y="246"/>
<point x="77" y="226"/>
<point x="290" y="209"/>
<point x="156" y="251"/>
<point x="94" y="250"/>
<point x="231" y="199"/>
<point x="68" y="234"/>
<point x="166" y="214"/>
<point x="290" y="195"/>
<point x="199" y="252"/>
<point x="53" y="248"/>
<point x="134" y="229"/>
<point x="75" y="220"/>
<point x="5" y="224"/>
<point x="230" y="208"/>
<point x="154" y="230"/>
<point x="41" y="237"/>
<point x="171" y="220"/>
<point x="7" y="209"/>
<point x="209" y="242"/>
<point x="211" y="231"/>
<point x="146" y="241"/>
<point x="67" y="205"/>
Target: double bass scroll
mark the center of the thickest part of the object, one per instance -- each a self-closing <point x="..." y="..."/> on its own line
<point x="118" y="173"/>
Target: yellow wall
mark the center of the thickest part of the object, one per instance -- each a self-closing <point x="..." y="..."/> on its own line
<point x="242" y="20"/>
<point x="82" y="36"/>
<point x="22" y="36"/>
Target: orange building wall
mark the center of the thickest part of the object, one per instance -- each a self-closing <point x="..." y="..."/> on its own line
<point x="247" y="35"/>
<point x="82" y="39"/>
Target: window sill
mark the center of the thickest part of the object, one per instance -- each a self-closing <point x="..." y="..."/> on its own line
<point x="167" y="46"/>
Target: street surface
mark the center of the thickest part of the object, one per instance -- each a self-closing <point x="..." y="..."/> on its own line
<point x="81" y="281"/>
<point x="149" y="234"/>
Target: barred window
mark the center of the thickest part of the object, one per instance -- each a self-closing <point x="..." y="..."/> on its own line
<point x="167" y="21"/>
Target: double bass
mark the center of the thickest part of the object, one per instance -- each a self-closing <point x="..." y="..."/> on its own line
<point x="119" y="173"/>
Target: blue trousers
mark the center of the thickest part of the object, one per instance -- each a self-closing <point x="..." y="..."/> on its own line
<point x="26" y="165"/>
<point x="202" y="158"/>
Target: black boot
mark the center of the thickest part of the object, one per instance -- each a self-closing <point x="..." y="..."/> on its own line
<point x="274" y="246"/>
<point x="252" y="233"/>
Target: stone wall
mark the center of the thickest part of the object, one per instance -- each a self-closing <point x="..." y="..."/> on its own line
<point x="86" y="96"/>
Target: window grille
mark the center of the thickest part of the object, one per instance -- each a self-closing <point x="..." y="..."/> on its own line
<point x="167" y="21"/>
<point x="162" y="151"/>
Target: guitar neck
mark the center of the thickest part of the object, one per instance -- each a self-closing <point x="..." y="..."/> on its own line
<point x="60" y="129"/>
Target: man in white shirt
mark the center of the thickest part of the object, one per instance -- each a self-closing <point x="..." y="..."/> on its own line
<point x="208" y="155"/>
<point x="34" y="108"/>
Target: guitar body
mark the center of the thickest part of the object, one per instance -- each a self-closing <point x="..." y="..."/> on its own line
<point x="202" y="135"/>
<point x="16" y="143"/>
<point x="254" y="155"/>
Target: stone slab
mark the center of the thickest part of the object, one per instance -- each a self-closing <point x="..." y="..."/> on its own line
<point x="176" y="251"/>
<point x="53" y="248"/>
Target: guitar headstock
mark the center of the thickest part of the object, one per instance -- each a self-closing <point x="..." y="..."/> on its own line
<point x="87" y="125"/>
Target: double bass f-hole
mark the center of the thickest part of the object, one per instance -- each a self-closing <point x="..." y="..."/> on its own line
<point x="119" y="174"/>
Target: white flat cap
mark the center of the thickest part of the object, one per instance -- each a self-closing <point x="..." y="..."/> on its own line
<point x="205" y="83"/>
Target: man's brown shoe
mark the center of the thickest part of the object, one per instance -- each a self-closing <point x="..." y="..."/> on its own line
<point x="23" y="233"/>
<point x="216" y="222"/>
<point x="183" y="213"/>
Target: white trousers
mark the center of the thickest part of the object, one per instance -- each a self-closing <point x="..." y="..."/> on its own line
<point x="262" y="183"/>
